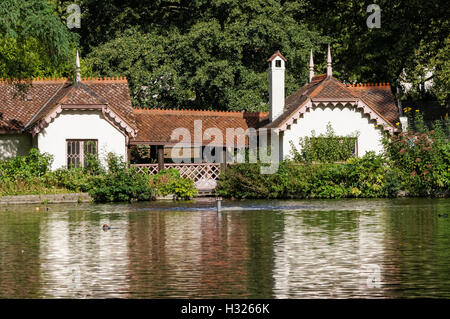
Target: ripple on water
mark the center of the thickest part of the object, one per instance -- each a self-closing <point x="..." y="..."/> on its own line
<point x="253" y="249"/>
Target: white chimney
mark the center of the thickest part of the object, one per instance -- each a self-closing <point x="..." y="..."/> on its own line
<point x="276" y="85"/>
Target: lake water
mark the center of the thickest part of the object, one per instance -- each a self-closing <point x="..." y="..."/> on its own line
<point x="253" y="249"/>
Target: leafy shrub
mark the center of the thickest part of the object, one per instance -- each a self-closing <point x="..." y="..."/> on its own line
<point x="75" y="179"/>
<point x="244" y="181"/>
<point x="168" y="181"/>
<point x="325" y="148"/>
<point x="28" y="175"/>
<point x="31" y="175"/>
<point x="422" y="157"/>
<point x="119" y="183"/>
<point x="26" y="167"/>
<point x="329" y="181"/>
<point x="369" y="176"/>
<point x="29" y="186"/>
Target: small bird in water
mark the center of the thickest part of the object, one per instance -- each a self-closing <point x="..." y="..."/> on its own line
<point x="443" y="215"/>
<point x="106" y="227"/>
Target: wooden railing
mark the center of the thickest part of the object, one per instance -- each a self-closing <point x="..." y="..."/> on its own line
<point x="204" y="175"/>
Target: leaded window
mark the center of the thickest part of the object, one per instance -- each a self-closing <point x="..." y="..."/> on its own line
<point x="78" y="152"/>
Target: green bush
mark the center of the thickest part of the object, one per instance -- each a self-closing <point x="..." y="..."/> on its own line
<point x="422" y="157"/>
<point x="120" y="183"/>
<point x="369" y="176"/>
<point x="329" y="181"/>
<point x="26" y="167"/>
<point x="28" y="175"/>
<point x="168" y="181"/>
<point x="325" y="148"/>
<point x="31" y="174"/>
<point x="29" y="186"/>
<point x="246" y="181"/>
<point x="75" y="179"/>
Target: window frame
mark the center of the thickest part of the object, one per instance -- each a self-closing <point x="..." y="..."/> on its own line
<point x="82" y="155"/>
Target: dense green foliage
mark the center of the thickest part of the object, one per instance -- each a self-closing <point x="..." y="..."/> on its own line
<point x="34" y="164"/>
<point x="358" y="177"/>
<point x="218" y="60"/>
<point x="206" y="53"/>
<point x="211" y="54"/>
<point x="34" y="41"/>
<point x="28" y="175"/>
<point x="31" y="174"/>
<point x="325" y="148"/>
<point x="169" y="182"/>
<point x="120" y="183"/>
<point x="422" y="156"/>
<point x="413" y="38"/>
<point x="415" y="163"/>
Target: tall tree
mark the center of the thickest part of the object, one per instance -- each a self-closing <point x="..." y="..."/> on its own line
<point x="410" y="41"/>
<point x="217" y="59"/>
<point x="211" y="53"/>
<point x="33" y="40"/>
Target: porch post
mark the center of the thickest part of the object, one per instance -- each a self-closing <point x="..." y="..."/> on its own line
<point x="223" y="163"/>
<point x="129" y="155"/>
<point x="160" y="157"/>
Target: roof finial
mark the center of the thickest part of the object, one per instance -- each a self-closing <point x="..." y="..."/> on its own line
<point x="78" y="70"/>
<point x="311" y="66"/>
<point x="329" y="69"/>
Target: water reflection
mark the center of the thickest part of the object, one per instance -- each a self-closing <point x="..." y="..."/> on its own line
<point x="286" y="249"/>
<point x="79" y="259"/>
<point x="327" y="254"/>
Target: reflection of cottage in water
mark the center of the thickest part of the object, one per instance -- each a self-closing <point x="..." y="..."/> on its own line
<point x="78" y="259"/>
<point x="186" y="255"/>
<point x="326" y="254"/>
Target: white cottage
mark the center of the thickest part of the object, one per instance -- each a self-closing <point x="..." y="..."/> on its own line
<point x="365" y="109"/>
<point x="67" y="120"/>
<point x="71" y="119"/>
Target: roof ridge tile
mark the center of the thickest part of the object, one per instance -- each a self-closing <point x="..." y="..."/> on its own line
<point x="369" y="84"/>
<point x="182" y="111"/>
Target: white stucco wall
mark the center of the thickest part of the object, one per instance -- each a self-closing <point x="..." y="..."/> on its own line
<point x="80" y="125"/>
<point x="12" y="145"/>
<point x="344" y="121"/>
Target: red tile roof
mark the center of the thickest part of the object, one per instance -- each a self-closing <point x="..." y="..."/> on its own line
<point x="16" y="110"/>
<point x="332" y="89"/>
<point x="277" y="53"/>
<point x="156" y="125"/>
<point x="318" y="78"/>
<point x="20" y="113"/>
<point x="378" y="98"/>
